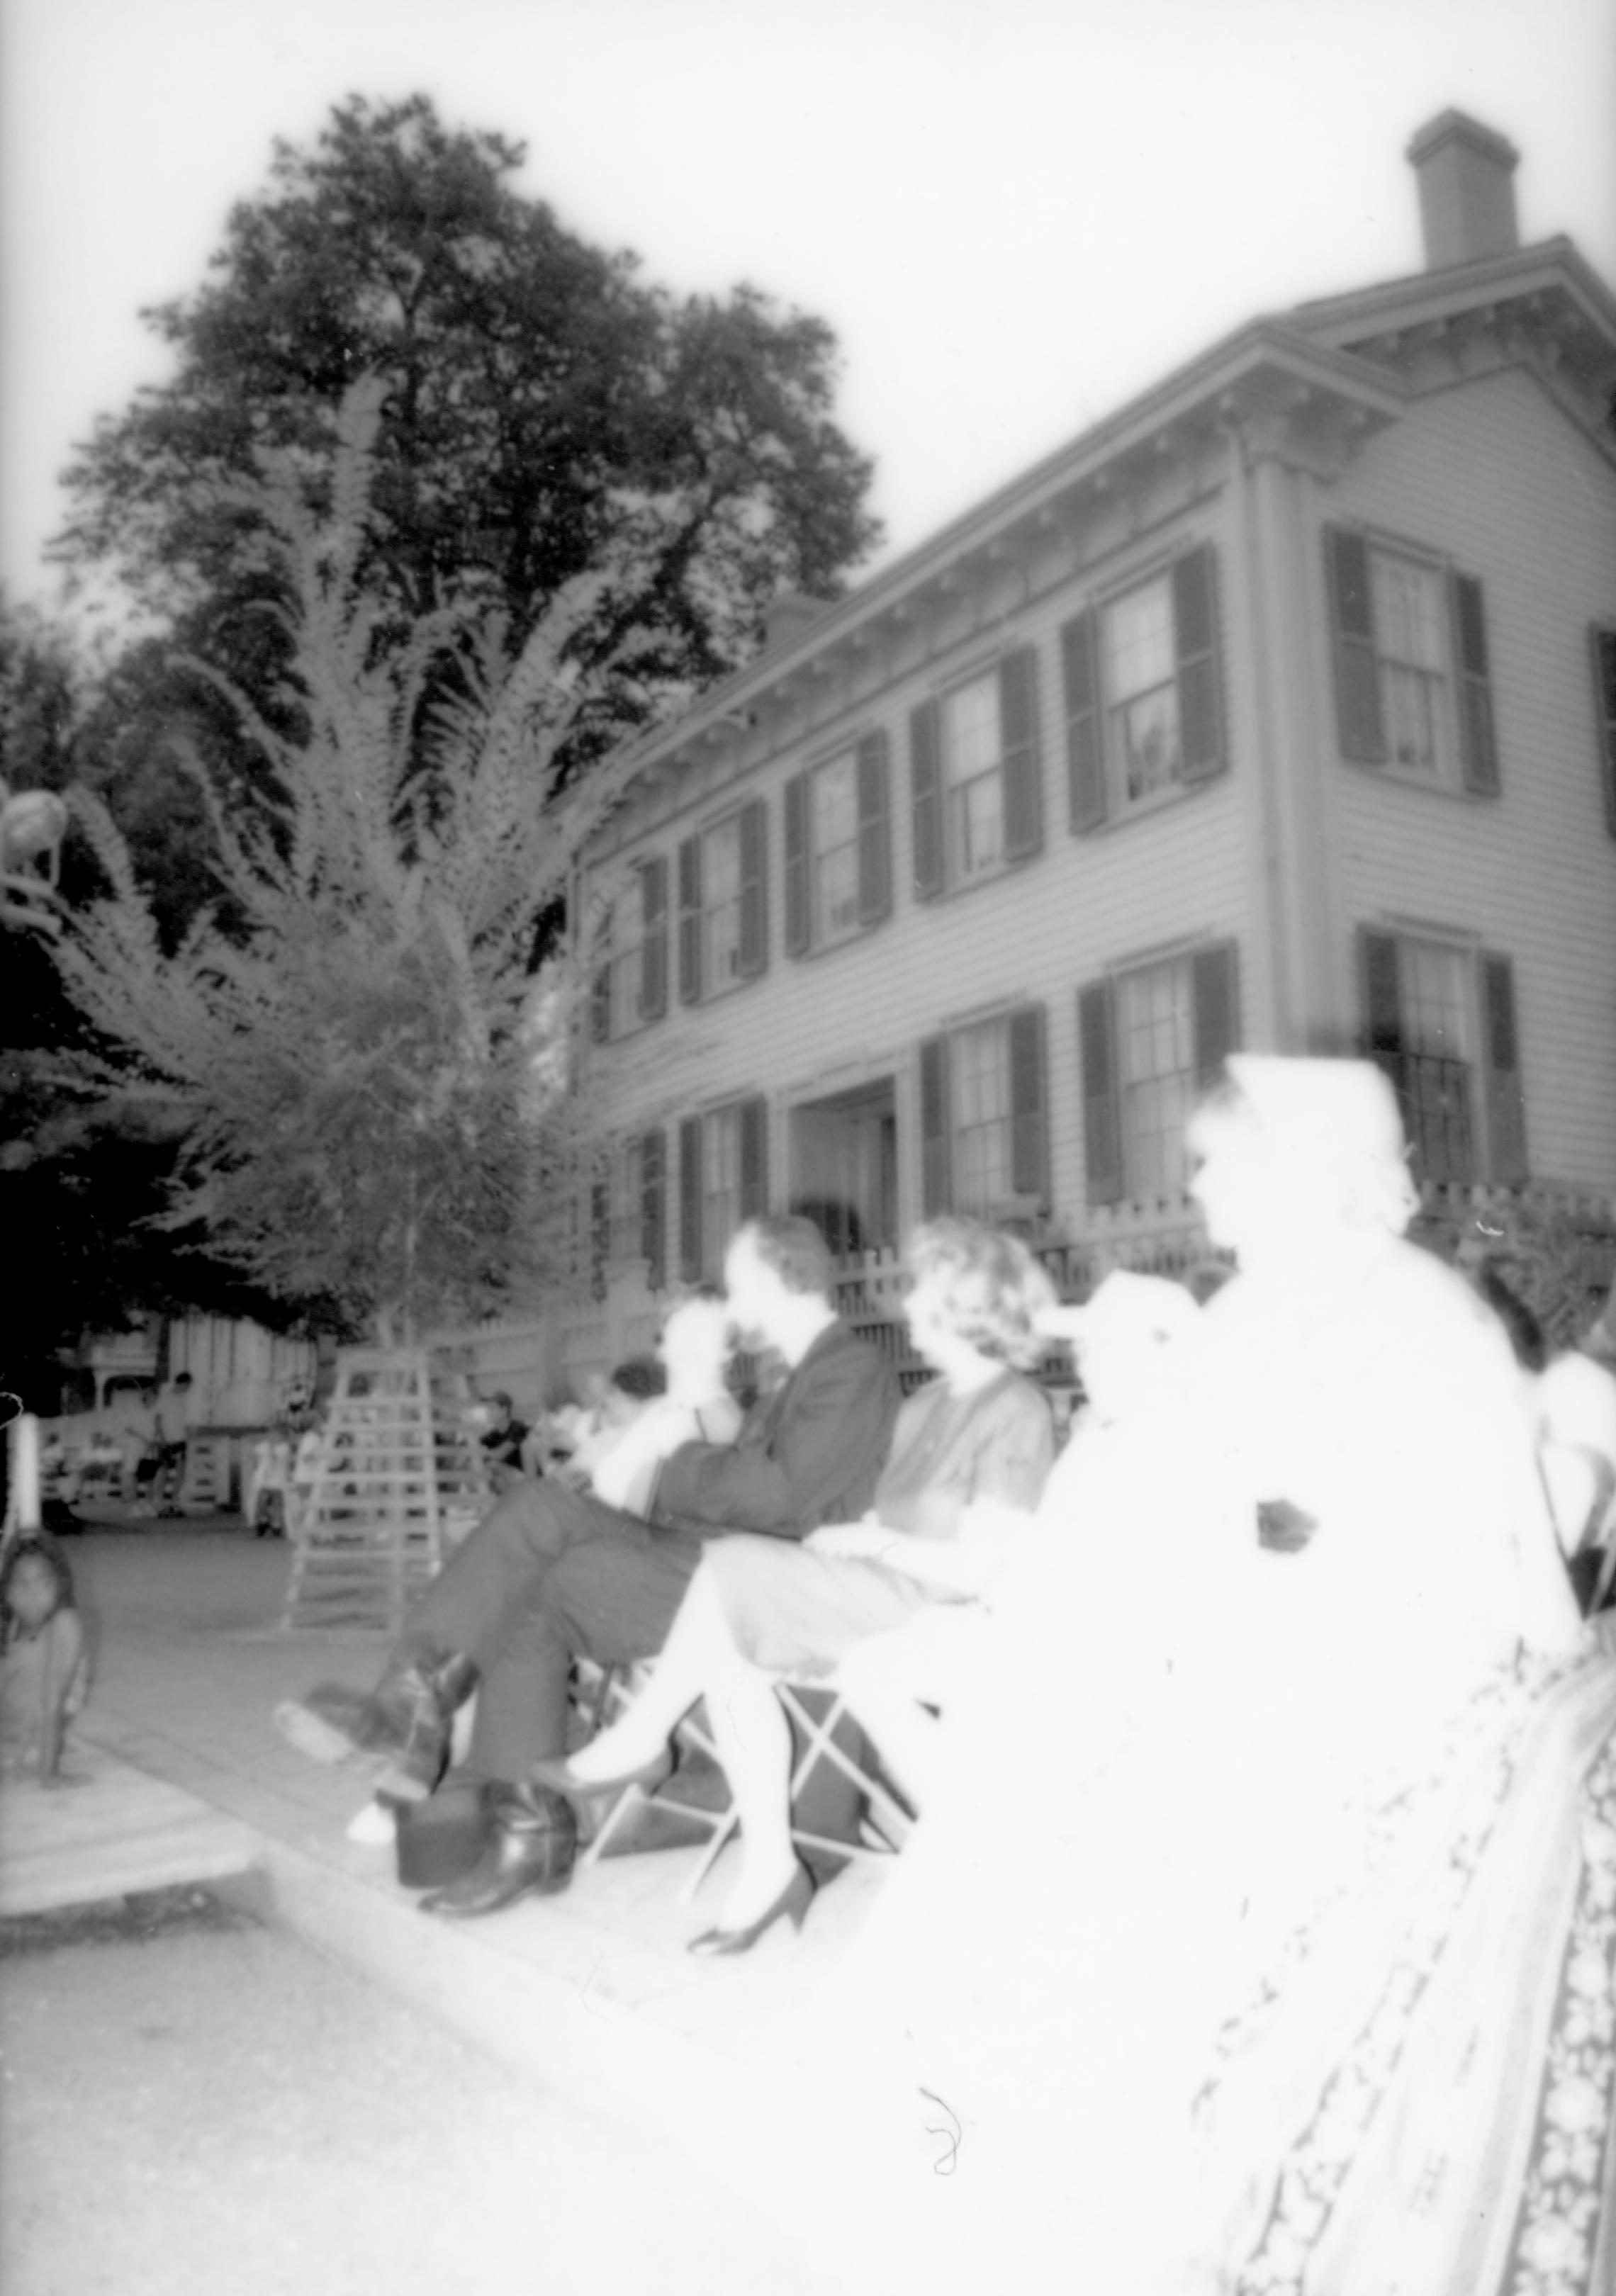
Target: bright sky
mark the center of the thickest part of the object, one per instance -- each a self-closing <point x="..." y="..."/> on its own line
<point x="1014" y="213"/>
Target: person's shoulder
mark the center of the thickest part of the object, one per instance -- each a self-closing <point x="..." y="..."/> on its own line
<point x="840" y="1342"/>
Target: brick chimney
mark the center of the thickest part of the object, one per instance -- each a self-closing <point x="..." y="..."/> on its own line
<point x="1467" y="200"/>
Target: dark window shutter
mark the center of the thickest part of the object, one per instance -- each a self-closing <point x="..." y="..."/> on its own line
<point x="1102" y="1095"/>
<point x="690" y="1199"/>
<point x="754" y="1158"/>
<point x="1501" y="1085"/>
<point x="1029" y="1125"/>
<point x="1383" y="1000"/>
<point x="600" y="1234"/>
<point x="936" y="1136"/>
<point x="1604" y="644"/>
<point x="926" y="791"/>
<point x="1084" y="753"/>
<point x="753" y="956"/>
<point x="1358" y="692"/>
<point x="1200" y="735"/>
<point x="1384" y="1012"/>
<point x="1477" y="743"/>
<point x="600" y="1004"/>
<point x="653" y="955"/>
<point x="690" y="921"/>
<point x="796" y="797"/>
<point x="1217" y="1006"/>
<point x="1022" y="775"/>
<point x="874" y="830"/>
<point x="653" y="1207"/>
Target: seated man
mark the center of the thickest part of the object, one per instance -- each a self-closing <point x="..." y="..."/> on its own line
<point x="551" y="1573"/>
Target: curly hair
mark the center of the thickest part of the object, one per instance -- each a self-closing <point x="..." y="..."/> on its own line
<point x="33" y="1546"/>
<point x="993" y="1288"/>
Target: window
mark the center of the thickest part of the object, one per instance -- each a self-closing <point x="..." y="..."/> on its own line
<point x="631" y="987"/>
<point x="1412" y="684"/>
<point x="1152" y="1039"/>
<point x="983" y="1132"/>
<point x="838" y="847"/>
<point x="1144" y="693"/>
<point x="636" y="1211"/>
<point x="1441" y="1021"/>
<point x="723" y="914"/>
<point x="723" y="1182"/>
<point x="975" y="780"/>
<point x="1604" y="644"/>
<point x="844" y="1166"/>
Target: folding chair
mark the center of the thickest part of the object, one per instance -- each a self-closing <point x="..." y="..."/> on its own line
<point x="605" y="1691"/>
<point x="887" y="1819"/>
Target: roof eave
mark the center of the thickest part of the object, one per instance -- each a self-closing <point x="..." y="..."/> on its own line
<point x="1265" y="363"/>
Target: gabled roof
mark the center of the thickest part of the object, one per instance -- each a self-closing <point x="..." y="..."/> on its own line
<point x="1552" y="269"/>
<point x="1340" y="355"/>
<point x="1263" y="366"/>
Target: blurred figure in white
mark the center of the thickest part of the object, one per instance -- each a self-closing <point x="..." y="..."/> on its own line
<point x="1255" y="1926"/>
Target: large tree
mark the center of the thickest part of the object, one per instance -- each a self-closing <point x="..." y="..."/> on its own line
<point x="543" y="406"/>
<point x="353" y="1050"/>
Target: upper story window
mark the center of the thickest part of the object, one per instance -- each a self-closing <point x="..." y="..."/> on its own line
<point x="1153" y="1039"/>
<point x="1603" y="643"/>
<point x="1144" y="693"/>
<point x="723" y="905"/>
<point x="976" y="784"/>
<point x="1439" y="1018"/>
<point x="838" y="847"/>
<point x="631" y="985"/>
<point x="983" y="1131"/>
<point x="1413" y="690"/>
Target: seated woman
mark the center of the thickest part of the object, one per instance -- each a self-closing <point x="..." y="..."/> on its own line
<point x="971" y="1448"/>
<point x="1306" y="1943"/>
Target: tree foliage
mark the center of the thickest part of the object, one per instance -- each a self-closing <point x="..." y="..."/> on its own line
<point x="544" y="410"/>
<point x="346" y="1044"/>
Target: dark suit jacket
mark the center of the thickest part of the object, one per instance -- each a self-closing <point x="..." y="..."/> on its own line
<point x="809" y="1454"/>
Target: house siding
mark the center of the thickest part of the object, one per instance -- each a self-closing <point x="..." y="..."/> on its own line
<point x="1287" y="852"/>
<point x="1492" y="474"/>
<point x="856" y="1011"/>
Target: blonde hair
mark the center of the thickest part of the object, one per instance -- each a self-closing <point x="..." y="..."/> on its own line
<point x="993" y="1288"/>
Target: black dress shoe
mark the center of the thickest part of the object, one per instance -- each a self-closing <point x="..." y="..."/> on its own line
<point x="533" y="1837"/>
<point x="401" y="1729"/>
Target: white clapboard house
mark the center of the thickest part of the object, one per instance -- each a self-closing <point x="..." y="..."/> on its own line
<point x="1277" y="710"/>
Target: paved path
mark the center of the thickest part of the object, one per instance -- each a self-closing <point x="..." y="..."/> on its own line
<point x="590" y="1994"/>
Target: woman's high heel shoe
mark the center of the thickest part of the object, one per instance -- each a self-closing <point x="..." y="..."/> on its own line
<point x="792" y="1902"/>
<point x="557" y="1773"/>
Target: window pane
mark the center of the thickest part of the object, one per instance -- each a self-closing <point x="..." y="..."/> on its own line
<point x="1434" y="1001"/>
<point x="972" y="777"/>
<point x="721" y="905"/>
<point x="1141" y="688"/>
<point x="1410" y="647"/>
<point x="720" y="1186"/>
<point x="627" y="959"/>
<point x="1155" y="1045"/>
<point x="980" y="1082"/>
<point x="833" y="835"/>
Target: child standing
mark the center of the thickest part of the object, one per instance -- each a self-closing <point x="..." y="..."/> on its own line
<point x="42" y="1669"/>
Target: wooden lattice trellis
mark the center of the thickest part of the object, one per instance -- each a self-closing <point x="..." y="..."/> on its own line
<point x="400" y="1476"/>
